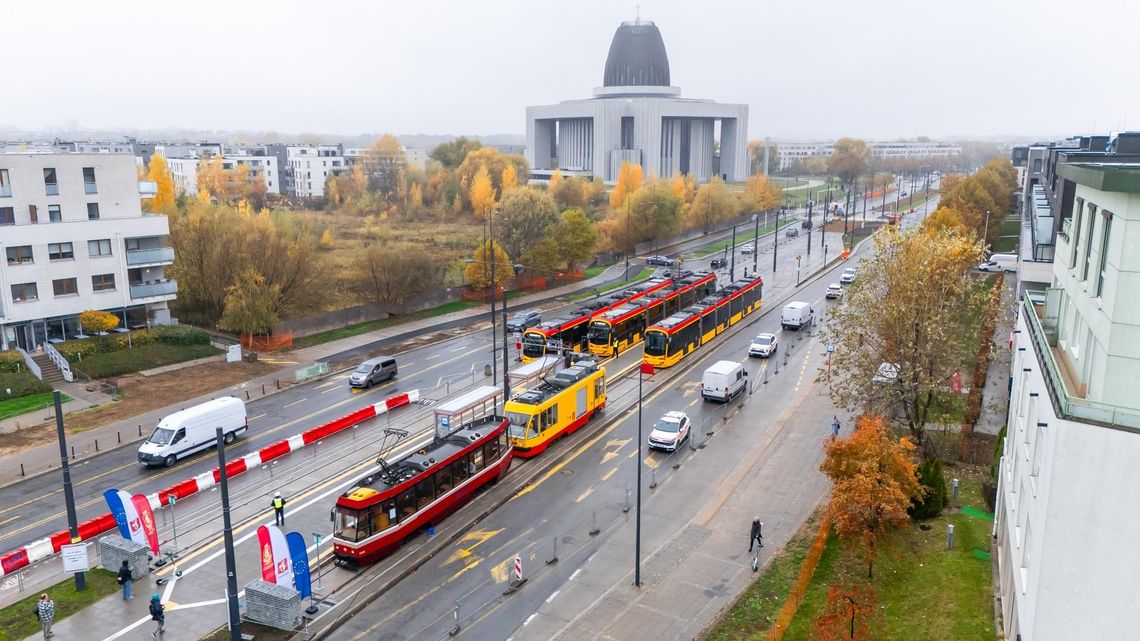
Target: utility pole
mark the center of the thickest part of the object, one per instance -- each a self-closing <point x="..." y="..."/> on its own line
<point x="732" y="267"/>
<point x="68" y="494"/>
<point x="775" y="244"/>
<point x="228" y="536"/>
<point x="494" y="259"/>
<point x="756" y="244"/>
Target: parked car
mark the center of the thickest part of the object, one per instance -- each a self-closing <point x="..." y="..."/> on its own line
<point x="848" y="276"/>
<point x="373" y="371"/>
<point x="998" y="263"/>
<point x="834" y="290"/>
<point x="805" y="224"/>
<point x="718" y="263"/>
<point x="748" y="248"/>
<point x="193" y="429"/>
<point x="670" y="431"/>
<point x="523" y="321"/>
<point x="764" y="345"/>
<point x="663" y="261"/>
<point x="792" y="232"/>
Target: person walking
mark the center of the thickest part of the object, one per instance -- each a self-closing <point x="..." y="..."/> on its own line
<point x="834" y="427"/>
<point x="45" y="611"/>
<point x="158" y="614"/>
<point x="278" y="509"/>
<point x="757" y="535"/>
<point x="124" y="579"/>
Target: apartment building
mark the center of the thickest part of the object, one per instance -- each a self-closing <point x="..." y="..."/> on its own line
<point x="1069" y="479"/>
<point x="308" y="166"/>
<point x="75" y="238"/>
<point x="788" y="153"/>
<point x="183" y="160"/>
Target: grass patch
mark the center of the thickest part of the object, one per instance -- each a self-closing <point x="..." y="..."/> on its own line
<point x="595" y="270"/>
<point x="645" y="273"/>
<point x="741" y="238"/>
<point x="362" y="328"/>
<point x="924" y="591"/>
<point x="26" y="404"/>
<point x="18" y="622"/>
<point x="141" y="357"/>
<point x="755" y="610"/>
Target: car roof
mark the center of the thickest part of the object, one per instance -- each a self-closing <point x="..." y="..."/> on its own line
<point x="375" y="360"/>
<point x="674" y="415"/>
<point x="765" y="335"/>
<point x="833" y="284"/>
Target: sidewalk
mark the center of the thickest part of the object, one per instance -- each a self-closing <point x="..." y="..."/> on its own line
<point x="995" y="396"/>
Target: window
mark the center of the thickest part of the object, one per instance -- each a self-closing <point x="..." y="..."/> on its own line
<point x="103" y="282"/>
<point x="51" y="186"/>
<point x="7" y="216"/>
<point x="33" y="214"/>
<point x="60" y="251"/>
<point x="55" y="215"/>
<point x="1035" y="452"/>
<point x="89" y="181"/>
<point x="19" y="255"/>
<point x="65" y="287"/>
<point x="459" y="470"/>
<point x="24" y="291"/>
<point x="92" y="211"/>
<point x="5" y="184"/>
<point x="425" y="493"/>
<point x="476" y="461"/>
<point x="1076" y="233"/>
<point x="1090" y="227"/>
<point x="96" y="248"/>
<point x="1103" y="252"/>
<point x="406" y="502"/>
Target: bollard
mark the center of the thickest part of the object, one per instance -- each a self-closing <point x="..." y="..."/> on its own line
<point x="950" y="536"/>
<point x="247" y="395"/>
<point x="96" y="445"/>
<point x="953" y="491"/>
<point x="519" y="579"/>
<point x="652" y="478"/>
<point x="448" y="387"/>
<point x="455" y="630"/>
<point x="119" y="436"/>
<point x="278" y="381"/>
<point x="263" y="389"/>
<point x="21" y="469"/>
<point x="73" y="452"/>
<point x="626" y="508"/>
<point x="553" y="553"/>
<point x="594" y="530"/>
<point x="140" y="429"/>
<point x="765" y="375"/>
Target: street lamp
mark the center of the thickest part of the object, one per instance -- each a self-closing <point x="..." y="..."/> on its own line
<point x="756" y="243"/>
<point x="506" y="349"/>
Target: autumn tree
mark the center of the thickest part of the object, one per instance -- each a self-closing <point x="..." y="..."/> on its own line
<point x="93" y="321"/>
<point x="251" y="305"/>
<point x="522" y="219"/>
<point x="762" y="193"/>
<point x="572" y="240"/>
<point x="851" y="613"/>
<point x="482" y="193"/>
<point x="556" y="179"/>
<point x="452" y="154"/>
<point x="849" y="160"/>
<point x="159" y="172"/>
<point x="654" y="212"/>
<point x="394" y="274"/>
<point x="628" y="181"/>
<point x="711" y="205"/>
<point x="945" y="218"/>
<point x="478" y="271"/>
<point x="495" y="162"/>
<point x="567" y="193"/>
<point x="874" y="479"/>
<point x="384" y="165"/>
<point x="905" y="325"/>
<point x="415" y="199"/>
<point x="509" y="179"/>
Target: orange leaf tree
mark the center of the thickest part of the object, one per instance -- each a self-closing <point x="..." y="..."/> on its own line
<point x="847" y="615"/>
<point x="628" y="181"/>
<point x="874" y="479"/>
<point x="482" y="192"/>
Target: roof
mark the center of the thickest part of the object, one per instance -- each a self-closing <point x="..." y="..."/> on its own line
<point x="560" y="381"/>
<point x="1103" y="176"/>
<point x="637" y="57"/>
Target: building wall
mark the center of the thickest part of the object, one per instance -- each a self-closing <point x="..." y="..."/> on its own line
<point x="310" y="166"/>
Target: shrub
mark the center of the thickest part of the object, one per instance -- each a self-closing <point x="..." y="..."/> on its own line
<point x="94" y="321"/>
<point x="181" y="335"/>
<point x="127" y="361"/>
<point x="114" y="342"/>
<point x="931" y="504"/>
<point x="22" y="384"/>
<point x="12" y="361"/>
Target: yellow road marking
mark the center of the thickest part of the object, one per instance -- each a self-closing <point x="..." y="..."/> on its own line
<point x="651" y="462"/>
<point x="607" y="457"/>
<point x="478" y="536"/>
<point x="607" y="475"/>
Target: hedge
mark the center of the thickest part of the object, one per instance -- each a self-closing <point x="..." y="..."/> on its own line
<point x="21" y="384"/>
<point x="114" y="342"/>
<point x="127" y="361"/>
<point x="12" y="361"/>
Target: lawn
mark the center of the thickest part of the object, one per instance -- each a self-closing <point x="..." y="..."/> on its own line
<point x="368" y="326"/>
<point x="25" y="404"/>
<point x="18" y="622"/>
<point x="924" y="591"/>
<point x="645" y="273"/>
<point x="595" y="270"/>
<point x="741" y="237"/>
<point x="1010" y="235"/>
<point x="141" y="357"/>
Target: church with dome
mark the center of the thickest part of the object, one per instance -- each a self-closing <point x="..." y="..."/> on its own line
<point x="637" y="115"/>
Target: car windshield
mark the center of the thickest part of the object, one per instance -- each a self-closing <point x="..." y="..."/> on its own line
<point x="363" y="368"/>
<point x="161" y="436"/>
<point x="667" y="425"/>
<point x="519" y="319"/>
<point x="763" y="340"/>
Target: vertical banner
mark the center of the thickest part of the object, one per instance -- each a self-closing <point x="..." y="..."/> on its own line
<point x="146" y="517"/>
<point x="126" y="516"/>
<point x="282" y="566"/>
<point x="265" y="553"/>
<point x="300" y="557"/>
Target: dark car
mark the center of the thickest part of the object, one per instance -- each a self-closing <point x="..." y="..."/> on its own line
<point x="523" y="321"/>
<point x="663" y="261"/>
<point x="806" y="224"/>
<point x="792" y="233"/>
<point x="718" y="263"/>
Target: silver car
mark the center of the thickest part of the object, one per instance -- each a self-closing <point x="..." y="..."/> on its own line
<point x="373" y="371"/>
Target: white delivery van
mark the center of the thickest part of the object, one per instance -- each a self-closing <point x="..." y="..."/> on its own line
<point x="192" y="430"/>
<point x="723" y="381"/>
<point x="999" y="263"/>
<point x="797" y="314"/>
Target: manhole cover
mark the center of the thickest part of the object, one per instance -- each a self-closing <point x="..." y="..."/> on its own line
<point x="567" y="472"/>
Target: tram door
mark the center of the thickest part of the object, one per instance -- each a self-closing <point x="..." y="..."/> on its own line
<point x="581" y="410"/>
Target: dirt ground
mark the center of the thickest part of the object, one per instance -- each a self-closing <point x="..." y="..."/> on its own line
<point x="140" y="394"/>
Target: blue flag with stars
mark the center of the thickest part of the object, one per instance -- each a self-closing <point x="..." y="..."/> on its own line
<point x="300" y="558"/>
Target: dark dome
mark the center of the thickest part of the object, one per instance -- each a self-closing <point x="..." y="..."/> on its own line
<point x="637" y="57"/>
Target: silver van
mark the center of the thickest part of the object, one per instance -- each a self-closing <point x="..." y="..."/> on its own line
<point x="373" y="371"/>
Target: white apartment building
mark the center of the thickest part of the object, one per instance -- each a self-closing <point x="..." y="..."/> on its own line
<point x="308" y="166"/>
<point x="75" y="238"/>
<point x="791" y="152"/>
<point x="1069" y="482"/>
<point x="184" y="169"/>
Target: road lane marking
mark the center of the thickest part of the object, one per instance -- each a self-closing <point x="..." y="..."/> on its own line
<point x="9" y="519"/>
<point x="332" y="382"/>
<point x="694" y="402"/>
<point x="433" y="357"/>
<point x="607" y="457"/>
<point x="632" y="454"/>
<point x="651" y="462"/>
<point x="551" y="597"/>
<point x="528" y="619"/>
<point x="478" y="536"/>
<point x="295" y="402"/>
<point x="254" y="418"/>
<point x="331" y="389"/>
<point x="607" y="475"/>
<point x="583" y="495"/>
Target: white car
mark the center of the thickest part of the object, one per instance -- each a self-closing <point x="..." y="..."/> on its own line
<point x="848" y="276"/>
<point x="764" y="345"/>
<point x="669" y="432"/>
<point x="748" y="248"/>
<point x="834" y="290"/>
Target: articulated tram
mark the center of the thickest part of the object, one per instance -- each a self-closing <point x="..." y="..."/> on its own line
<point x="557" y="407"/>
<point x="571" y="330"/>
<point x="627" y="323"/>
<point x="670" y="340"/>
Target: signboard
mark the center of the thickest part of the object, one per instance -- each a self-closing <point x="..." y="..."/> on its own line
<point x="830" y="349"/>
<point x="233" y="354"/>
<point x="171" y="499"/>
<point x="554" y="343"/>
<point x="74" y="557"/>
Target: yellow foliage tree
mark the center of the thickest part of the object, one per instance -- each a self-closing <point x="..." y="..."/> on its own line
<point x="509" y="179"/>
<point x="555" y="180"/>
<point x="415" y="199"/>
<point x="945" y="218"/>
<point x="763" y="193"/>
<point x="479" y="269"/>
<point x="629" y="180"/>
<point x="482" y="194"/>
<point x="677" y="186"/>
<point x="94" y="321"/>
<point x="159" y="172"/>
<point x="326" y="242"/>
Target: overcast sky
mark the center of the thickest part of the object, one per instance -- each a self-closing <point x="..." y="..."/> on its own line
<point x="806" y="68"/>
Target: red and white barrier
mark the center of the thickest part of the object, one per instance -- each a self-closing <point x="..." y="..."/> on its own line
<point x="45" y="547"/>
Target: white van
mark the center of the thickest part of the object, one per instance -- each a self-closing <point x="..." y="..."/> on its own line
<point x="797" y="314"/>
<point x="723" y="381"/>
<point x="192" y="430"/>
<point x="999" y="263"/>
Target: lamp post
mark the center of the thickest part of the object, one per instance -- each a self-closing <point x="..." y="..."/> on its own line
<point x="68" y="494"/>
<point x="756" y="243"/>
<point x="732" y="264"/>
<point x="775" y="243"/>
<point x="228" y="538"/>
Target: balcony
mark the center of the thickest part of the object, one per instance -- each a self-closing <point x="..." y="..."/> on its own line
<point x="5" y="191"/>
<point x="1041" y="320"/>
<point x="167" y="287"/>
<point x="157" y="255"/>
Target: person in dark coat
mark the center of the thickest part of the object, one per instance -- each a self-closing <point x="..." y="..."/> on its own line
<point x="757" y="535"/>
<point x="157" y="614"/>
<point x="124" y="579"/>
<point x="278" y="508"/>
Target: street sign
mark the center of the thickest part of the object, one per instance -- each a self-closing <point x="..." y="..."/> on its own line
<point x="74" y="557"/>
<point x="171" y="499"/>
<point x="317" y="538"/>
<point x="830" y="349"/>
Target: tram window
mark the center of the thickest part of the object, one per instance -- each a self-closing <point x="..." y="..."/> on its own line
<point x="504" y="440"/>
<point x="477" y="460"/>
<point x="384" y="515"/>
<point x="459" y="470"/>
<point x="443" y="479"/>
<point x="406" y="503"/>
<point x="425" y="493"/>
<point x="491" y="450"/>
<point x="599" y="387"/>
<point x="349" y="520"/>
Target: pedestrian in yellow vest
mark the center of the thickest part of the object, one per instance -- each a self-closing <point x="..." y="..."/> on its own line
<point x="279" y="508"/>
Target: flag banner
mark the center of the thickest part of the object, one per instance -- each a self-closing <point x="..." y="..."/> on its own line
<point x="126" y="516"/>
<point x="146" y="517"/>
<point x="281" y="564"/>
<point x="647" y="369"/>
<point x="265" y="551"/>
<point x="300" y="557"/>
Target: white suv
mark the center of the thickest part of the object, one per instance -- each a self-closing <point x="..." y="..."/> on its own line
<point x="764" y="345"/>
<point x="669" y="432"/>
